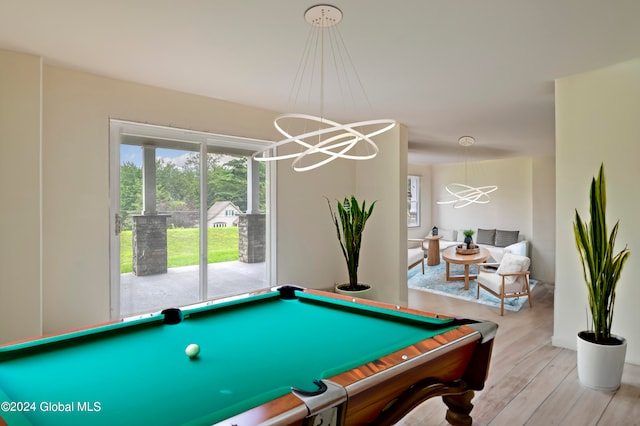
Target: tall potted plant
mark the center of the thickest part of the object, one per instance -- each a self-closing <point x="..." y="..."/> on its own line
<point x="349" y="222"/>
<point x="601" y="354"/>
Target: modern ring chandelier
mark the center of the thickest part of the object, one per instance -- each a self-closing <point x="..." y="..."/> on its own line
<point x="319" y="140"/>
<point x="463" y="194"/>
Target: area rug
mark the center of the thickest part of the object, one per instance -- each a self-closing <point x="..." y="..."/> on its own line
<point x="433" y="281"/>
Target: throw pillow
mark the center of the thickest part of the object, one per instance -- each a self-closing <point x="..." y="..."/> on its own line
<point x="512" y="263"/>
<point x="460" y="238"/>
<point x="506" y="238"/>
<point x="447" y="234"/>
<point x="486" y="236"/>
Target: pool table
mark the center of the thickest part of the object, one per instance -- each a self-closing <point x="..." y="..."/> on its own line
<point x="288" y="356"/>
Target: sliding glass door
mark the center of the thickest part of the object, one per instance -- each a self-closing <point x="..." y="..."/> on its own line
<point x="189" y="218"/>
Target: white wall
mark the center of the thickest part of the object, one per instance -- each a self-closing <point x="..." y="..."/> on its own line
<point x="510" y="206"/>
<point x="384" y="253"/>
<point x="70" y="285"/>
<point x="524" y="201"/>
<point x="308" y="250"/>
<point x="543" y="238"/>
<point x="20" y="179"/>
<point x="76" y="111"/>
<point x="597" y="122"/>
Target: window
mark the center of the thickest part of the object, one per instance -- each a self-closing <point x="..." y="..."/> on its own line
<point x="413" y="201"/>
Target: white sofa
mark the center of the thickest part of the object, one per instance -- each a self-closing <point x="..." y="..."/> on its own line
<point x="502" y="241"/>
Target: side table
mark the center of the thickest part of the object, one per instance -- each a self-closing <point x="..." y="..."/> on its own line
<point x="433" y="250"/>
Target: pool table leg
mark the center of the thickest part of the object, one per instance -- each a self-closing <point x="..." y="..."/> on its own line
<point x="456" y="395"/>
<point x="460" y="407"/>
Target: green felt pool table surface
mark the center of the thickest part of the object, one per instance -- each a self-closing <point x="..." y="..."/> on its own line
<point x="253" y="350"/>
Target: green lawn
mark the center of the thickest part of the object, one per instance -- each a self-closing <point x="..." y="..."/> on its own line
<point x="183" y="247"/>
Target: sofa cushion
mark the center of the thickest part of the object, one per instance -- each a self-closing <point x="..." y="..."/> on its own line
<point x="447" y="234"/>
<point x="506" y="238"/>
<point x="460" y="238"/>
<point x="486" y="236"/>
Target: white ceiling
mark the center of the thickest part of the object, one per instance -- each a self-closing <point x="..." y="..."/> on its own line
<point x="444" y="68"/>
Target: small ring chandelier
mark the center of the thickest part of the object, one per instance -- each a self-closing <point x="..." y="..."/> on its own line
<point x="324" y="140"/>
<point x="463" y="194"/>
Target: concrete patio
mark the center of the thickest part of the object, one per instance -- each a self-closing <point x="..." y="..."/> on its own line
<point x="180" y="286"/>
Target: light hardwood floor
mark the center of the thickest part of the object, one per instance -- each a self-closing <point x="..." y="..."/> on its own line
<point x="530" y="382"/>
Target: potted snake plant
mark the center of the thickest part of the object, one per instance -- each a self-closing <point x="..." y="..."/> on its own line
<point x="350" y="221"/>
<point x="601" y="355"/>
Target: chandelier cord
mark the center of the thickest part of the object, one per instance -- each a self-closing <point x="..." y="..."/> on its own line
<point x="353" y="68"/>
<point x="321" y="137"/>
<point x="466" y="164"/>
<point x="464" y="194"/>
<point x="322" y="71"/>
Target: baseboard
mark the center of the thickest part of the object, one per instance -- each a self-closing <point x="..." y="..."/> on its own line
<point x="564" y="343"/>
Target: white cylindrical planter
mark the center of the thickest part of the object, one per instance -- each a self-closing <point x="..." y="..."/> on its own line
<point x="600" y="366"/>
<point x="363" y="294"/>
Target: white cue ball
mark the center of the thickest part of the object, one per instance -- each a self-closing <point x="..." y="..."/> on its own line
<point x="192" y="350"/>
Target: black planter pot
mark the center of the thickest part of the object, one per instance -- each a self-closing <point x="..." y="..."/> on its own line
<point x="468" y="241"/>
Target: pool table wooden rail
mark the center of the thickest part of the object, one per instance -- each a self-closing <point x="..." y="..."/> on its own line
<point x="452" y="365"/>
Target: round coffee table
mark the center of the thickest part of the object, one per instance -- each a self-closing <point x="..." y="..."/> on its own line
<point x="451" y="256"/>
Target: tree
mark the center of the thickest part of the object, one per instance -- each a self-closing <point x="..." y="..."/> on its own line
<point x="176" y="184"/>
<point x="130" y="191"/>
<point x="178" y="187"/>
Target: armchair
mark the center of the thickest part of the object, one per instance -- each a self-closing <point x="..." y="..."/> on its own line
<point x="415" y="254"/>
<point x="510" y="279"/>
